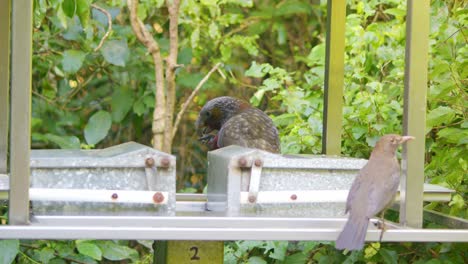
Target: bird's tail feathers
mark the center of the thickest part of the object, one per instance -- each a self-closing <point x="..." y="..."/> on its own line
<point x="354" y="234"/>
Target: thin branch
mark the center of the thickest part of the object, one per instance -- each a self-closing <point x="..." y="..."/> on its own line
<point x="190" y="98"/>
<point x="171" y="65"/>
<point x="143" y="35"/>
<point x="109" y="25"/>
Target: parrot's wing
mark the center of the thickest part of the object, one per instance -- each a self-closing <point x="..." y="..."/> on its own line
<point x="251" y="128"/>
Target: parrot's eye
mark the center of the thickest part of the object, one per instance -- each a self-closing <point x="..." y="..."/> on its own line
<point x="207" y="114"/>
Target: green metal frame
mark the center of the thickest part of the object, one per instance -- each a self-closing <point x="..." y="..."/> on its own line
<point x="4" y="81"/>
<point x="21" y="75"/>
<point x="334" y="78"/>
<point x="414" y="120"/>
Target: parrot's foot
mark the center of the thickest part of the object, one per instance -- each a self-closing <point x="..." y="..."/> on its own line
<point x="205" y="139"/>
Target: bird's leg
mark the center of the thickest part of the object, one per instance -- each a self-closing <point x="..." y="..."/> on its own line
<point x="382" y="225"/>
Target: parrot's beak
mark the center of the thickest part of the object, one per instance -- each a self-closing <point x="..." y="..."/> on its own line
<point x="406" y="138"/>
<point x="202" y="128"/>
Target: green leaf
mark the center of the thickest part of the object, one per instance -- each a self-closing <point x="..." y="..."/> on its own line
<point x="113" y="251"/>
<point x="89" y="249"/>
<point x="195" y="37"/>
<point x="454" y="135"/>
<point x="213" y="30"/>
<point x="8" y="250"/>
<point x="258" y="70"/>
<point x="116" y="52"/>
<point x="388" y="256"/>
<point x="279" y="249"/>
<point x="69" y="7"/>
<point x="139" y="107"/>
<point x="297" y="258"/>
<point x="65" y="142"/>
<point x="316" y="55"/>
<point x="97" y="127"/>
<point x="72" y="60"/>
<point x="46" y="254"/>
<point x="122" y="102"/>
<point x="441" y="114"/>
<point x="57" y="261"/>
<point x="83" y="11"/>
<point x="256" y="260"/>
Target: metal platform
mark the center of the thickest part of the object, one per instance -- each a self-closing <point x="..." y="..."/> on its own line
<point x="193" y="222"/>
<point x="197" y="224"/>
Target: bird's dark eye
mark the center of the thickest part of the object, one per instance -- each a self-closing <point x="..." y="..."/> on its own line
<point x="207" y="114"/>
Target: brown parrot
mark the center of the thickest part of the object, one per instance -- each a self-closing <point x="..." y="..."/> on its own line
<point x="236" y="123"/>
<point x="373" y="189"/>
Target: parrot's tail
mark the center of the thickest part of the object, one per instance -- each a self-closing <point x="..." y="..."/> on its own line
<point x="354" y="233"/>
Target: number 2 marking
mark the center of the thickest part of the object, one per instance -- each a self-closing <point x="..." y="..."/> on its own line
<point x="195" y="253"/>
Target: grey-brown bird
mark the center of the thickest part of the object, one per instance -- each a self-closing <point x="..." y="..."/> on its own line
<point x="373" y="189"/>
<point x="237" y="123"/>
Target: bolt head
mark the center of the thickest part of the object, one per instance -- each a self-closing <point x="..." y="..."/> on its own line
<point x="293" y="197"/>
<point x="252" y="199"/>
<point x="158" y="197"/>
<point x="258" y="162"/>
<point x="165" y="162"/>
<point x="149" y="162"/>
<point x="242" y="162"/>
<point x="114" y="196"/>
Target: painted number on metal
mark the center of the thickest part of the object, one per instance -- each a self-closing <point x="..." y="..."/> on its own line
<point x="199" y="252"/>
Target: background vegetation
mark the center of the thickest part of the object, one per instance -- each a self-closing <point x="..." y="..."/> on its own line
<point x="88" y="95"/>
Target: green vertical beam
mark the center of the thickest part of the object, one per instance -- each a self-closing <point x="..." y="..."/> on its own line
<point x="334" y="77"/>
<point x="4" y="81"/>
<point x="21" y="66"/>
<point x="414" y="120"/>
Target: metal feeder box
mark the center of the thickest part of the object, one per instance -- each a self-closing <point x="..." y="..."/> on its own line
<point x="127" y="179"/>
<point x="244" y="181"/>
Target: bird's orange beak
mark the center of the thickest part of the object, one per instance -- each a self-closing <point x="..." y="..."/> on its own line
<point x="406" y="138"/>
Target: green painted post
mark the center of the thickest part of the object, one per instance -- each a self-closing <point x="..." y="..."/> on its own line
<point x="4" y="81"/>
<point x="20" y="130"/>
<point x="414" y="120"/>
<point x="334" y="78"/>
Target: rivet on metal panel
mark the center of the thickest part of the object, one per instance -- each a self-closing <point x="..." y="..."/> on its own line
<point x="242" y="162"/>
<point x="165" y="162"/>
<point x="293" y="197"/>
<point x="158" y="197"/>
<point x="149" y="162"/>
<point x="258" y="162"/>
<point x="252" y="199"/>
<point x="114" y="196"/>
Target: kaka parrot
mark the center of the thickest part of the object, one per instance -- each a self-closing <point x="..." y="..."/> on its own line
<point x="236" y="123"/>
<point x="373" y="189"/>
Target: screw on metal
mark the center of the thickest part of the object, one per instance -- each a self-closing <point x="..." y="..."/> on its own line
<point x="165" y="162"/>
<point x="252" y="199"/>
<point x="158" y="197"/>
<point x="258" y="162"/>
<point x="149" y="162"/>
<point x="293" y="197"/>
<point x="114" y="196"/>
<point x="242" y="162"/>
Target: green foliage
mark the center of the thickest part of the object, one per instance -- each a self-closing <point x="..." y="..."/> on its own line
<point x="79" y="251"/>
<point x="9" y="250"/>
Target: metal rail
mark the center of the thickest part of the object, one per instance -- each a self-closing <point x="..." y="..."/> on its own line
<point x="211" y="228"/>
